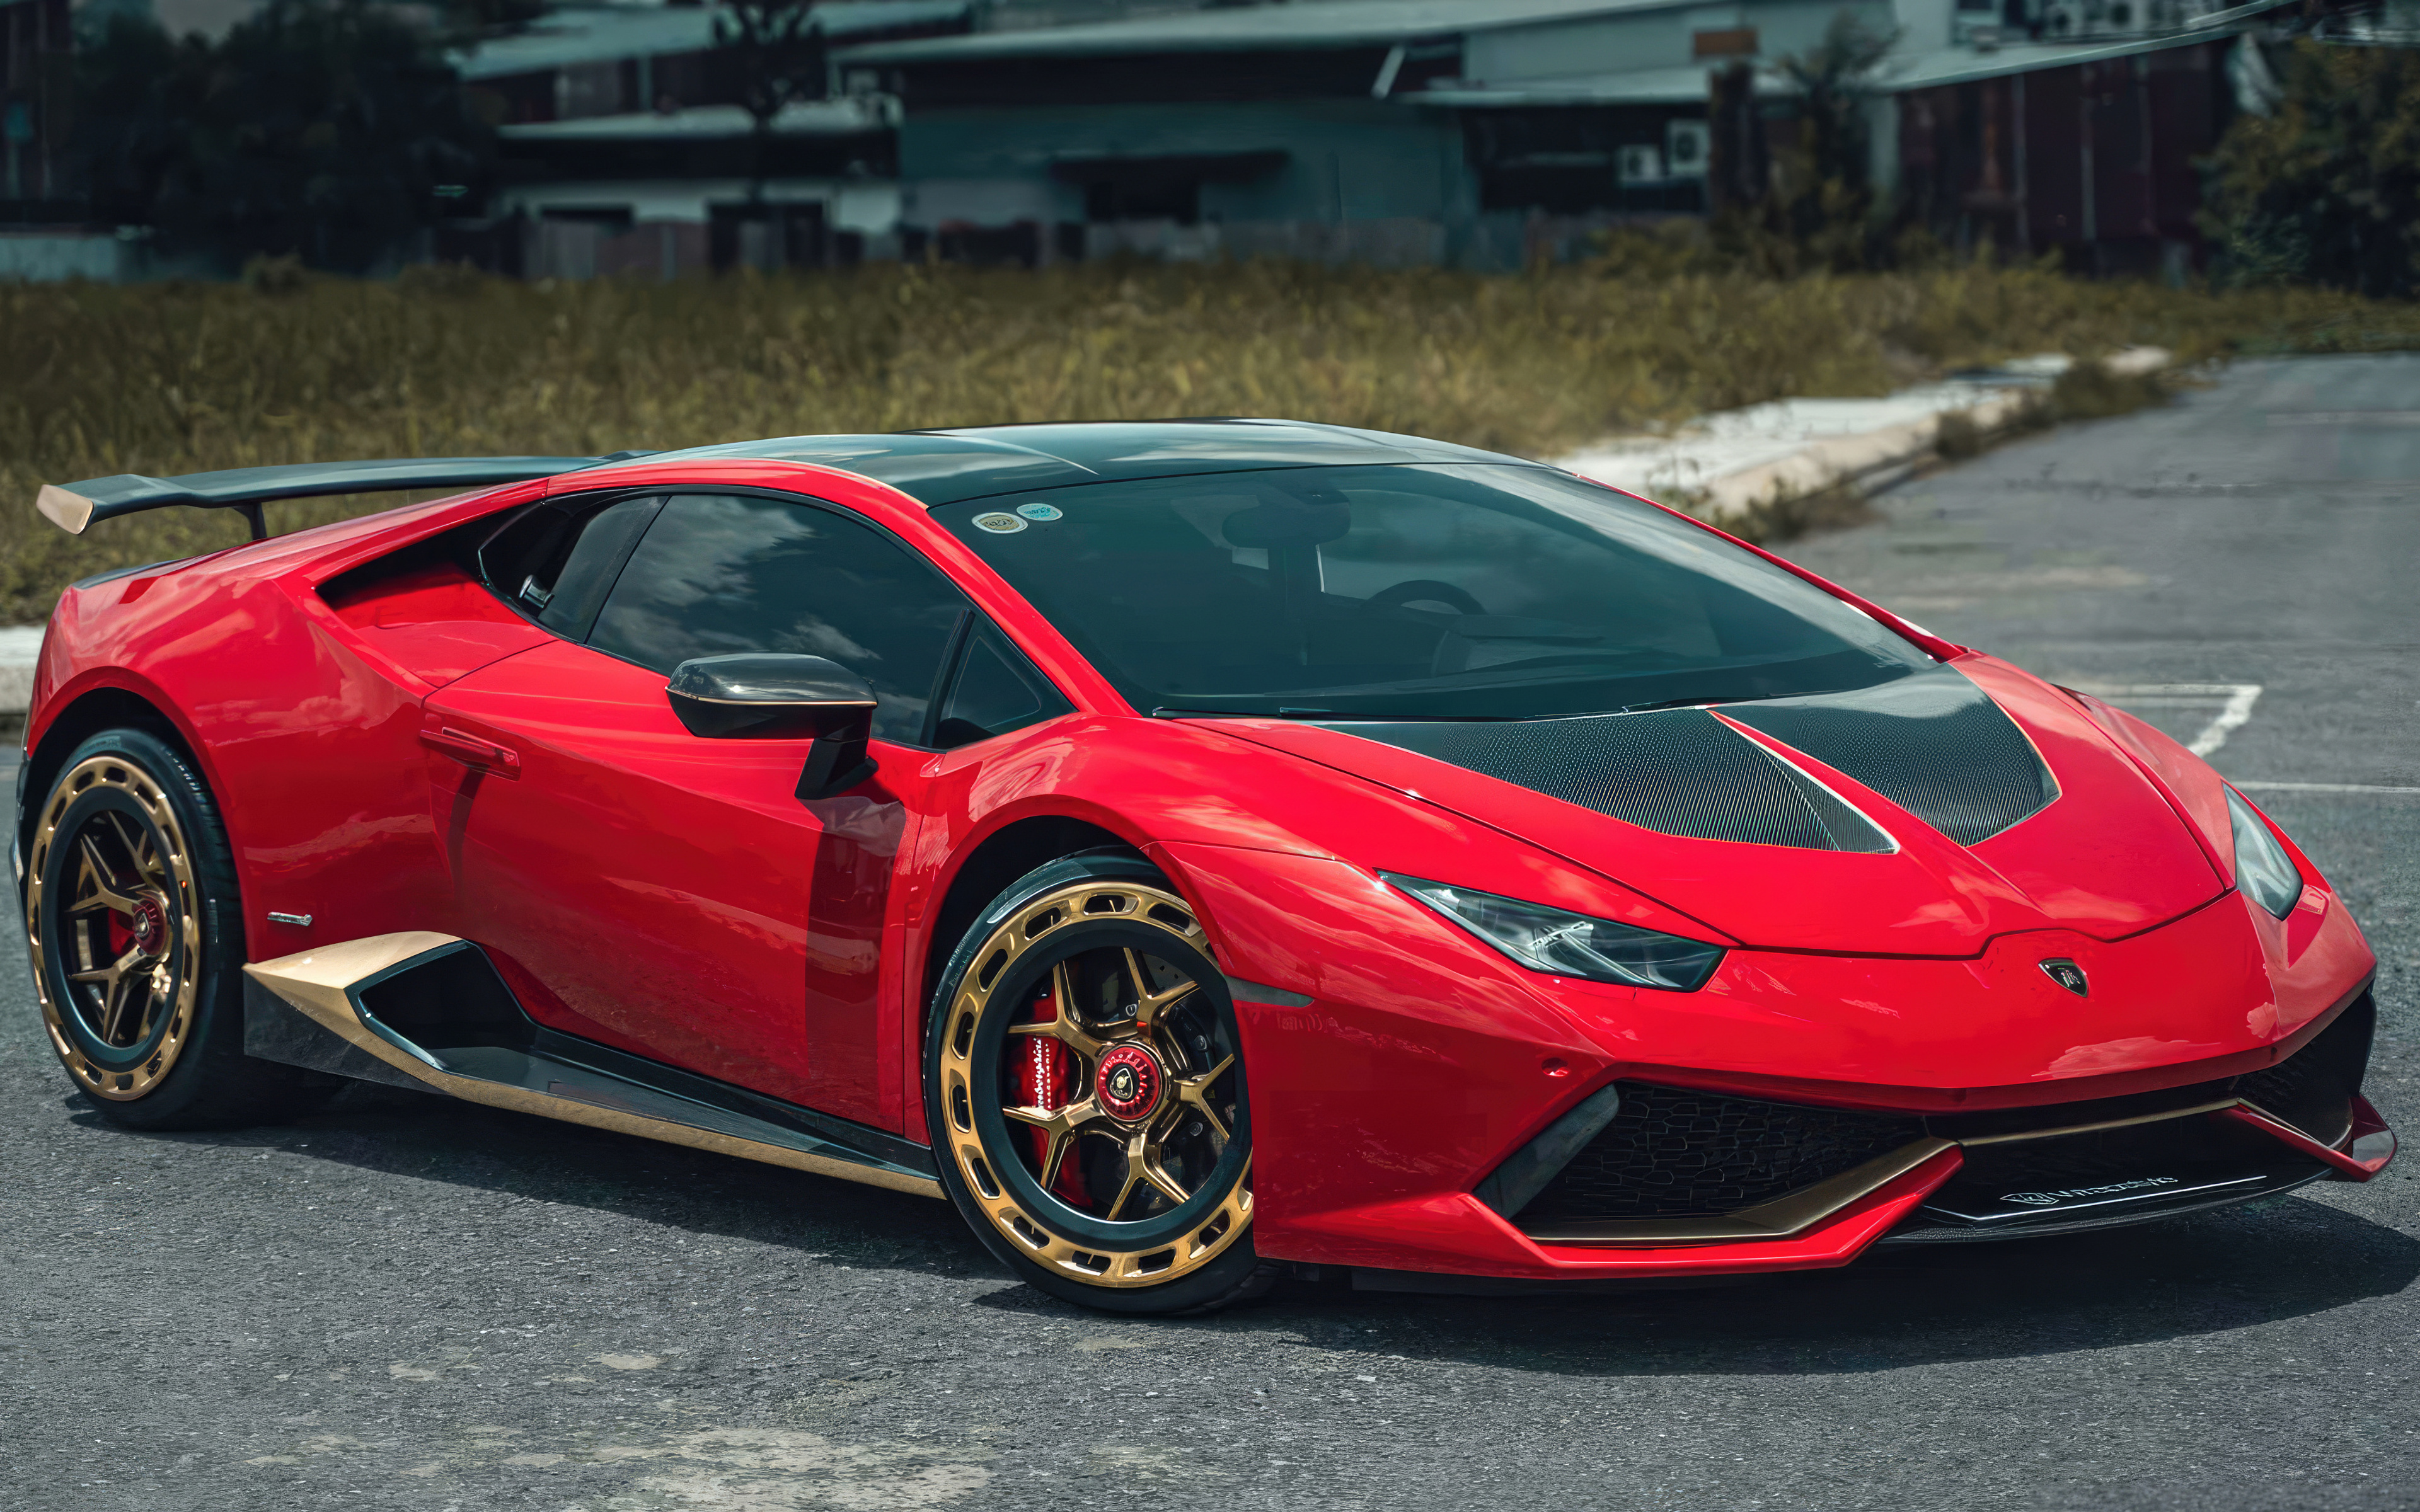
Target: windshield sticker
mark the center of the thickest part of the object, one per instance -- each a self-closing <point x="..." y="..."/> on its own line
<point x="1000" y="524"/>
<point x="1045" y="513"/>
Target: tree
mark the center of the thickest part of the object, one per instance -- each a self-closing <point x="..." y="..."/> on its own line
<point x="777" y="48"/>
<point x="1825" y="189"/>
<point x="331" y="129"/>
<point x="1813" y="205"/>
<point x="2327" y="188"/>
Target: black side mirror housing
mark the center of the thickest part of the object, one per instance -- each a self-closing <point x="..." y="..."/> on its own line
<point x="771" y="695"/>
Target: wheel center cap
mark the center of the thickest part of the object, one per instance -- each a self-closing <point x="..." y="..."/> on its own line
<point x="150" y="925"/>
<point x="1129" y="1082"/>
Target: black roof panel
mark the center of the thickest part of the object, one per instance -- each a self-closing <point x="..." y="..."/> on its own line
<point x="944" y="467"/>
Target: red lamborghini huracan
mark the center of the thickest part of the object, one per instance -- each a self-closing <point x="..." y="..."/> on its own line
<point x="1196" y="850"/>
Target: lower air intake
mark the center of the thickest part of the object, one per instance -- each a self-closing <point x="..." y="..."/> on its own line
<point x="2313" y="1089"/>
<point x="1671" y="1152"/>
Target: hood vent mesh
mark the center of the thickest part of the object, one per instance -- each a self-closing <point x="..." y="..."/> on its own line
<point x="1676" y="771"/>
<point x="1932" y="743"/>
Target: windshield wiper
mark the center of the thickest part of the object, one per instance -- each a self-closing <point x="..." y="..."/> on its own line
<point x="1700" y="701"/>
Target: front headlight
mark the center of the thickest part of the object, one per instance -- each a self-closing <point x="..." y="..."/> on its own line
<point x="1570" y="944"/>
<point x="2262" y="868"/>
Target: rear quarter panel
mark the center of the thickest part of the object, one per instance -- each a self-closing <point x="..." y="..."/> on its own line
<point x="305" y="728"/>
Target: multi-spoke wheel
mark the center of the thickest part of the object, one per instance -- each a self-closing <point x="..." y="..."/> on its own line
<point x="1085" y="1090"/>
<point x="129" y="889"/>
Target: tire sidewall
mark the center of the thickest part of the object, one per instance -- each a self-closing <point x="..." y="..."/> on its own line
<point x="1214" y="1283"/>
<point x="216" y="1034"/>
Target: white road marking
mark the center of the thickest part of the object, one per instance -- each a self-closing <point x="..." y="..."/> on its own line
<point x="2327" y="787"/>
<point x="2344" y="417"/>
<point x="2235" y="699"/>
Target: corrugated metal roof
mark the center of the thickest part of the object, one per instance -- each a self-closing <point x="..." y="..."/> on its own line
<point x="565" y="38"/>
<point x="1275" y="27"/>
<point x="1960" y="64"/>
<point x="706" y="123"/>
<point x="1634" y="86"/>
<point x="1687" y="84"/>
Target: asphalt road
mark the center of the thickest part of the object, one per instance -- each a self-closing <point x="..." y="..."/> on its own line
<point x="414" y="1304"/>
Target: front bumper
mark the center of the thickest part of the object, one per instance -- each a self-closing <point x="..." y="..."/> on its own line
<point x="1400" y="1087"/>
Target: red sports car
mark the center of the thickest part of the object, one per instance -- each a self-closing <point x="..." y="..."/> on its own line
<point x="1198" y="850"/>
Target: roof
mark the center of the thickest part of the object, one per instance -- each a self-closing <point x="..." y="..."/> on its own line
<point x="1684" y="85"/>
<point x="708" y="123"/>
<point x="1687" y="84"/>
<point x="942" y="467"/>
<point x="563" y="37"/>
<point x="1249" y="28"/>
<point x="1962" y="64"/>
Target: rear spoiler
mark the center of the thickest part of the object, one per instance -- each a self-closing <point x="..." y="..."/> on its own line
<point x="245" y="489"/>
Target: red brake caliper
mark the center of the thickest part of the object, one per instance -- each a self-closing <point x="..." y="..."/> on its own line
<point x="1050" y="1082"/>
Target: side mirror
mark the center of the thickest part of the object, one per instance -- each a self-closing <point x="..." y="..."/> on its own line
<point x="764" y="695"/>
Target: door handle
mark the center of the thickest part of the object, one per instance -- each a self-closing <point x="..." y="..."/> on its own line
<point x="471" y="751"/>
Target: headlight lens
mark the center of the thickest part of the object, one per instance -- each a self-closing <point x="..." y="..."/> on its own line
<point x="1570" y="944"/>
<point x="2262" y="868"/>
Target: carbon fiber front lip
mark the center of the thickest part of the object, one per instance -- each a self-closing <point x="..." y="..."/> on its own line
<point x="1928" y="1225"/>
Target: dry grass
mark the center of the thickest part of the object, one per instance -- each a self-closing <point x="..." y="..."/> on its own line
<point x="181" y="379"/>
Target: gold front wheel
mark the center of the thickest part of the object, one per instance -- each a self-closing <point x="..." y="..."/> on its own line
<point x="1086" y="1083"/>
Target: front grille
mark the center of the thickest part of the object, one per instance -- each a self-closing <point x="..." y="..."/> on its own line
<point x="1671" y="1152"/>
<point x="2108" y="1155"/>
<point x="1674" y="1152"/>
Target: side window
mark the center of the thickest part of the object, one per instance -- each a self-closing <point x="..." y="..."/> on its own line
<point x="995" y="690"/>
<point x="557" y="563"/>
<point x="721" y="573"/>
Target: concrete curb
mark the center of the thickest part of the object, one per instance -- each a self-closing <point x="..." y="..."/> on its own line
<point x="1863" y="458"/>
<point x="19" y="645"/>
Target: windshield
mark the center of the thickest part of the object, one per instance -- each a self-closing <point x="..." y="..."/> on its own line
<point x="1434" y="592"/>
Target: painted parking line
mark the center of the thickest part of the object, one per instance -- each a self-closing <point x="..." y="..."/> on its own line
<point x="2344" y="417"/>
<point x="2329" y="787"/>
<point x="2229" y="706"/>
<point x="2234" y="702"/>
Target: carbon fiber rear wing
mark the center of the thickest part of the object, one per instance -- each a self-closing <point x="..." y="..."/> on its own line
<point x="245" y="489"/>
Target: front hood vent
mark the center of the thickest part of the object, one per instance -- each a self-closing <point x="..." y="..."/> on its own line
<point x="1675" y="771"/>
<point x="1932" y="743"/>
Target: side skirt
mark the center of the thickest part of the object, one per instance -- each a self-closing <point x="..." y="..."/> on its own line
<point x="429" y="1010"/>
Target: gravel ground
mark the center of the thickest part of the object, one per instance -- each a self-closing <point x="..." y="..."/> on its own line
<point x="408" y="1303"/>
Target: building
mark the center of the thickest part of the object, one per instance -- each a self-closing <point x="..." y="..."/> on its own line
<point x="624" y="149"/>
<point x="37" y="87"/>
<point x="1483" y="132"/>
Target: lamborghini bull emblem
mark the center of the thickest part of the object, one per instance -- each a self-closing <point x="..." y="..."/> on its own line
<point x="2059" y="969"/>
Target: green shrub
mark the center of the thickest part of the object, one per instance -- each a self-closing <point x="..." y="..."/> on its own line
<point x="2327" y="189"/>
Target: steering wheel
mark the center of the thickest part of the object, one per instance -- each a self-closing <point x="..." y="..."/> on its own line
<point x="1423" y="588"/>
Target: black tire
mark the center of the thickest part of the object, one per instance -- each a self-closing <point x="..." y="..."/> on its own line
<point x="128" y="817"/>
<point x="969" y="1146"/>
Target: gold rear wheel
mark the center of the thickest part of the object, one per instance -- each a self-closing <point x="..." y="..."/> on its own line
<point x="134" y="922"/>
<point x="111" y="918"/>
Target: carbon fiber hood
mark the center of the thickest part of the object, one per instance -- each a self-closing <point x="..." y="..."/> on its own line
<point x="1934" y="743"/>
<point x="1921" y="817"/>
